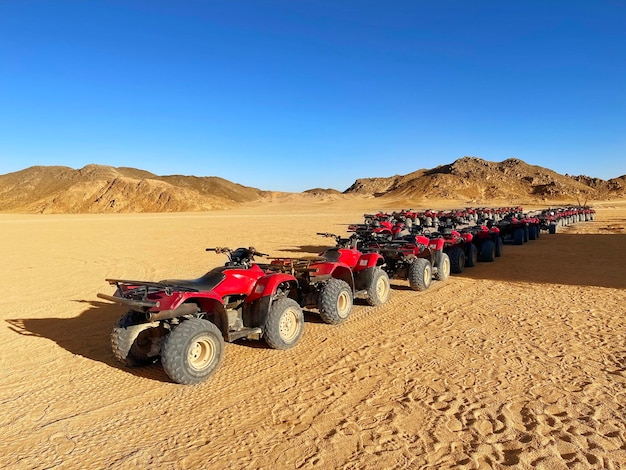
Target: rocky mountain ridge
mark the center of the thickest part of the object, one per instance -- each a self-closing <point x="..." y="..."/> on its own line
<point x="471" y="178"/>
<point x="106" y="189"/>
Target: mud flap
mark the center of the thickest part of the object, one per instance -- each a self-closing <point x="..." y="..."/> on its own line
<point x="363" y="279"/>
<point x="255" y="315"/>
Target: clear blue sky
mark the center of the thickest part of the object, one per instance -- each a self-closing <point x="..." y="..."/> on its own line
<point x="295" y="94"/>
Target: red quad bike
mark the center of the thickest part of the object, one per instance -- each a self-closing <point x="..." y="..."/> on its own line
<point x="408" y="216"/>
<point x="487" y="241"/>
<point x="519" y="228"/>
<point x="185" y="322"/>
<point x="414" y="257"/>
<point x="331" y="281"/>
<point x="382" y="230"/>
<point x="379" y="216"/>
<point x="586" y="213"/>
<point x="371" y="282"/>
<point x="459" y="248"/>
<point x="548" y="220"/>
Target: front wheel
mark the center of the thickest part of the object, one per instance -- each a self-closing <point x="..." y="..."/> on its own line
<point x="135" y="342"/>
<point x="420" y="274"/>
<point x="378" y="289"/>
<point x="443" y="267"/>
<point x="335" y="301"/>
<point x="284" y="324"/>
<point x="193" y="351"/>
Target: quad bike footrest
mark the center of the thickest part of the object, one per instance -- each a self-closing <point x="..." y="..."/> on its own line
<point x="244" y="333"/>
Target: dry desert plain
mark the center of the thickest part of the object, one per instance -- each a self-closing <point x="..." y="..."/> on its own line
<point x="520" y="363"/>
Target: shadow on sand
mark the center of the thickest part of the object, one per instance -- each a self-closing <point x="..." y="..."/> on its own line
<point x="87" y="335"/>
<point x="571" y="259"/>
<point x="593" y="260"/>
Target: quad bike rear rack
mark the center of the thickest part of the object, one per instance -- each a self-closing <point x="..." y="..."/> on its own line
<point x="130" y="302"/>
<point x="293" y="265"/>
<point x="140" y="306"/>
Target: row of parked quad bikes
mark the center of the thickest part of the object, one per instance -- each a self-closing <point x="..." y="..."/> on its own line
<point x="185" y="323"/>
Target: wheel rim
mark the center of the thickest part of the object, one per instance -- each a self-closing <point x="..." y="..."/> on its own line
<point x="446" y="267"/>
<point x="427" y="275"/>
<point x="201" y="353"/>
<point x="382" y="286"/>
<point x="343" y="304"/>
<point x="289" y="325"/>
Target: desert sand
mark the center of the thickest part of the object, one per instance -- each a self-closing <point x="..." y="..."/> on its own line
<point x="518" y="363"/>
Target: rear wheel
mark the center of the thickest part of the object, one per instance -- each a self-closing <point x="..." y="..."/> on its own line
<point x="420" y="274"/>
<point x="379" y="288"/>
<point x="457" y="259"/>
<point x="518" y="236"/>
<point x="193" y="351"/>
<point x="135" y="342"/>
<point x="284" y="324"/>
<point x="472" y="256"/>
<point x="335" y="301"/>
<point x="552" y="228"/>
<point x="488" y="251"/>
<point x="499" y="245"/>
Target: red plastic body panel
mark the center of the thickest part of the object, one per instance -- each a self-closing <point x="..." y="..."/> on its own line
<point x="436" y="244"/>
<point x="268" y="284"/>
<point x="421" y="239"/>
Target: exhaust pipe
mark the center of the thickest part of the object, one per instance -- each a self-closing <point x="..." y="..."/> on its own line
<point x="181" y="311"/>
<point x="131" y="303"/>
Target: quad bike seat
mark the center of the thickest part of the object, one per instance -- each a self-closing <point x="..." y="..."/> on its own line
<point x="205" y="283"/>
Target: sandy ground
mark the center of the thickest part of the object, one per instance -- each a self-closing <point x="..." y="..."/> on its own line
<point x="519" y="363"/>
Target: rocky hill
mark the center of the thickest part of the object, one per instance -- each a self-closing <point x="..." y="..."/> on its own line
<point x="471" y="178"/>
<point x="105" y="189"/>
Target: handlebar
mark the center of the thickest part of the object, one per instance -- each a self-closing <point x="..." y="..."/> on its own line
<point x="219" y="249"/>
<point x="253" y="252"/>
<point x="328" y="235"/>
<point x="224" y="249"/>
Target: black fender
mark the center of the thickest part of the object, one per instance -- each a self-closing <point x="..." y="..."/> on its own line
<point x="363" y="278"/>
<point x="255" y="312"/>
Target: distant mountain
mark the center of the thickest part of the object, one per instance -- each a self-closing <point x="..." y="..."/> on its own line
<point x="471" y="178"/>
<point x="105" y="189"/>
